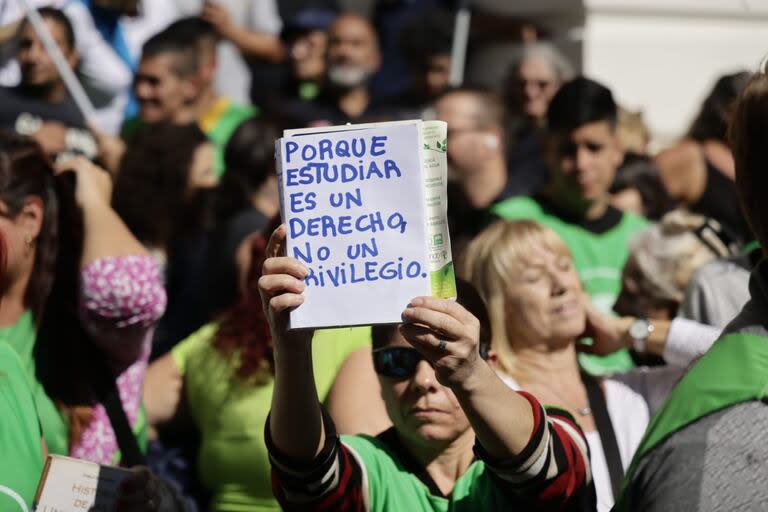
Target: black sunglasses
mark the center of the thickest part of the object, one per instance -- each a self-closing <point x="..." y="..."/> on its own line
<point x="396" y="362"/>
<point x="401" y="362"/>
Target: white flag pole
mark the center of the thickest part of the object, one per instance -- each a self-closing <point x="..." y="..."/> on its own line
<point x="70" y="80"/>
<point x="460" y="41"/>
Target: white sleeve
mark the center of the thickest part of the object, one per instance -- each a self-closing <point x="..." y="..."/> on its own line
<point x="687" y="341"/>
<point x="265" y="17"/>
<point x="104" y="74"/>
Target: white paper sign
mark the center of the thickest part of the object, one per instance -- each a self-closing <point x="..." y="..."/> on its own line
<point x="353" y="202"/>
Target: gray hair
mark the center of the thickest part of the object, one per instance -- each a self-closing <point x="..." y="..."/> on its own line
<point x="547" y="52"/>
<point x="667" y="253"/>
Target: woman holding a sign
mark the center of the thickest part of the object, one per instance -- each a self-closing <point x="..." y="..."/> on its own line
<point x="460" y="436"/>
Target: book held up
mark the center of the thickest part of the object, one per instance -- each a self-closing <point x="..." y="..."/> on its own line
<point x="365" y="210"/>
<point x="73" y="485"/>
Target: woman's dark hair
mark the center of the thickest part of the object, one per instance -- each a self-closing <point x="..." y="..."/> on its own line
<point x="579" y="102"/>
<point x="243" y="332"/>
<point x="639" y="172"/>
<point x="250" y="159"/>
<point x="65" y="358"/>
<point x="712" y="120"/>
<point x="26" y="171"/>
<point x="151" y="189"/>
<point x="747" y="137"/>
<point x="467" y="296"/>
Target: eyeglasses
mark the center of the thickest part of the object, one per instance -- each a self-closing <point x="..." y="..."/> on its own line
<point x="540" y="84"/>
<point x="396" y="362"/>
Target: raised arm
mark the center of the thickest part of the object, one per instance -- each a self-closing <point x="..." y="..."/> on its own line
<point x="539" y="456"/>
<point x="251" y="43"/>
<point x="121" y="294"/>
<point x="105" y="234"/>
<point x="295" y="423"/>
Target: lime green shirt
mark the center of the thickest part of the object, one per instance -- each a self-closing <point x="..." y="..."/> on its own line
<point x="230" y="414"/>
<point x="21" y="455"/>
<point x="599" y="258"/>
<point x="21" y="338"/>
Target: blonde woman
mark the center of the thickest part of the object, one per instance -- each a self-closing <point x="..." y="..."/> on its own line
<point x="538" y="311"/>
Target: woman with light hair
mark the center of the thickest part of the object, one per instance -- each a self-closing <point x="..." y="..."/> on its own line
<point x="662" y="259"/>
<point x="538" y="311"/>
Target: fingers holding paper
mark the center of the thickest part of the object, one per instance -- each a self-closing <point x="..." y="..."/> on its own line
<point x="446" y="334"/>
<point x="281" y="284"/>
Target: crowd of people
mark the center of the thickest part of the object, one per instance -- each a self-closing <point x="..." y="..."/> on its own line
<point x="607" y="348"/>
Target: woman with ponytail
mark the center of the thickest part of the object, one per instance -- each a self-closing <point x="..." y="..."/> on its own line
<point x="80" y="298"/>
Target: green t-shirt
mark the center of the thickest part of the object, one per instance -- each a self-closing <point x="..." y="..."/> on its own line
<point x="599" y="258"/>
<point x="392" y="487"/>
<point x="21" y="456"/>
<point x="230" y="414"/>
<point x="218" y="124"/>
<point x="21" y="338"/>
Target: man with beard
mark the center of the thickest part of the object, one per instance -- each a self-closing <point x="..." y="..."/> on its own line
<point x="40" y="105"/>
<point x="353" y="57"/>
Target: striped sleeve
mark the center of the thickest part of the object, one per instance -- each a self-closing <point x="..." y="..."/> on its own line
<point x="553" y="470"/>
<point x="333" y="481"/>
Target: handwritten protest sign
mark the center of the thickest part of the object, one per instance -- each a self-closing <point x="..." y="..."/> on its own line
<point x="353" y="200"/>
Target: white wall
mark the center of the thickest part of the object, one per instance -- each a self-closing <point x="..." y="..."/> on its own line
<point x="661" y="56"/>
<point x="664" y="56"/>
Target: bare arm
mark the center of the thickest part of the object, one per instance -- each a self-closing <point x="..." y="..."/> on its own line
<point x="267" y="47"/>
<point x="354" y="401"/>
<point x="295" y="423"/>
<point x="682" y="171"/>
<point x="105" y="234"/>
<point x="502" y="419"/>
<point x="163" y="384"/>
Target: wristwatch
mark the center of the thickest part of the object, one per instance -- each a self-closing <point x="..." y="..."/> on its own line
<point x="639" y="331"/>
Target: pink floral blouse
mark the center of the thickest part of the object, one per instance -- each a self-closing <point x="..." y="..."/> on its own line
<point x="121" y="300"/>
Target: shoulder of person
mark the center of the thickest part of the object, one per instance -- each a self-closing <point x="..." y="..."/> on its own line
<point x="678" y="164"/>
<point x="517" y="207"/>
<point x="719" y="454"/>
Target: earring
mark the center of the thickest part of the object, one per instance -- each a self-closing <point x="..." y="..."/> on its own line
<point x="29" y="241"/>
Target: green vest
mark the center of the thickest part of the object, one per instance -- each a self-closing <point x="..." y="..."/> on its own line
<point x="598" y="257"/>
<point x="733" y="371"/>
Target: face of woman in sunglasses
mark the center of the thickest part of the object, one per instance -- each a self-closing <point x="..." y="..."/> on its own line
<point x="544" y="300"/>
<point x="422" y="410"/>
